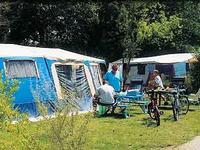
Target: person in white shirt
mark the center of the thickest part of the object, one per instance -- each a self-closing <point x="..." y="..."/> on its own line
<point x="105" y="93"/>
<point x="105" y="96"/>
<point x="157" y="80"/>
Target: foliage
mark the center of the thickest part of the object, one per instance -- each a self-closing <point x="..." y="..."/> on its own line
<point x="195" y="72"/>
<point x="60" y="24"/>
<point x="9" y="116"/>
<point x="191" y="36"/>
<point x="159" y="32"/>
<point x="68" y="130"/>
<point x="7" y="89"/>
<point x="4" y="25"/>
<point x="109" y="29"/>
<point x="191" y="20"/>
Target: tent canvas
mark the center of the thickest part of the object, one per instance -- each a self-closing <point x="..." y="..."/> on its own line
<point x="161" y="59"/>
<point x="37" y="70"/>
<point x="12" y="50"/>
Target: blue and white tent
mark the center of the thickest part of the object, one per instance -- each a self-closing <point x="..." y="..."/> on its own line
<point x="40" y="72"/>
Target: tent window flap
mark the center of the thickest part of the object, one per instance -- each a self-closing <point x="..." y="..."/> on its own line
<point x="95" y="75"/>
<point x="65" y="77"/>
<point x="21" y="68"/>
<point x="73" y="79"/>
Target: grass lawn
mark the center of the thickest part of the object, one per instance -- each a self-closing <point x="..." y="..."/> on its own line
<point x="136" y="132"/>
<point x="140" y="132"/>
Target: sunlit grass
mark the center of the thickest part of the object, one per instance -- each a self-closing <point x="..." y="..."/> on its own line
<point x="140" y="132"/>
<point x="136" y="132"/>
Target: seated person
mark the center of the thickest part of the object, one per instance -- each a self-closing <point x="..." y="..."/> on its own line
<point x="155" y="81"/>
<point x="105" y="95"/>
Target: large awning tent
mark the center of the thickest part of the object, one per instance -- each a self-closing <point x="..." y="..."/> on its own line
<point x="170" y="64"/>
<point x="161" y="59"/>
<point x="44" y="74"/>
<point x="12" y="50"/>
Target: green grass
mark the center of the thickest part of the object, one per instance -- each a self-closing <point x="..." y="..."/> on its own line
<point x="136" y="132"/>
<point x="140" y="132"/>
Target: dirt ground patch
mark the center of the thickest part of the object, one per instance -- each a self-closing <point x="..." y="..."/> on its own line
<point x="191" y="145"/>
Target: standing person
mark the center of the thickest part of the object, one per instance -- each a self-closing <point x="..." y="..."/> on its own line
<point x="157" y="80"/>
<point x="114" y="78"/>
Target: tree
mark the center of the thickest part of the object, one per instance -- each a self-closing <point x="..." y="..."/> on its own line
<point x="4" y="24"/>
<point x="160" y="33"/>
<point x="110" y="29"/>
<point x="195" y="72"/>
<point x="191" y="20"/>
<point x="54" y="24"/>
<point x="191" y="37"/>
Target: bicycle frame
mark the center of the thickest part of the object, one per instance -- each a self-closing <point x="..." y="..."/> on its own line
<point x="153" y="110"/>
<point x="180" y="101"/>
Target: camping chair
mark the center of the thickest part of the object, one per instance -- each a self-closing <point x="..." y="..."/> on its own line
<point x="104" y="112"/>
<point x="105" y="108"/>
<point x="195" y="98"/>
<point x="102" y="108"/>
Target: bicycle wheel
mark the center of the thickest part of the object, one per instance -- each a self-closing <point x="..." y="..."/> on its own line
<point x="151" y="111"/>
<point x="157" y="116"/>
<point x="154" y="113"/>
<point x="175" y="109"/>
<point x="184" y="104"/>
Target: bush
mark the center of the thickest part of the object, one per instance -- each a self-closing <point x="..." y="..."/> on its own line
<point x="9" y="116"/>
<point x="195" y="73"/>
<point x="7" y="90"/>
<point x="68" y="130"/>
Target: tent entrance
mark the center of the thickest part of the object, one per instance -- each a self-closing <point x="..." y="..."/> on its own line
<point x="73" y="81"/>
<point x="96" y="75"/>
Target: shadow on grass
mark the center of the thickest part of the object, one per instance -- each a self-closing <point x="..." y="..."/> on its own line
<point x="192" y="109"/>
<point x="169" y="118"/>
<point x="149" y="122"/>
<point x="115" y="116"/>
<point x="168" y="107"/>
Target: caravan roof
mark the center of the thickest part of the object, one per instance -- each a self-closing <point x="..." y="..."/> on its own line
<point x="12" y="50"/>
<point x="162" y="59"/>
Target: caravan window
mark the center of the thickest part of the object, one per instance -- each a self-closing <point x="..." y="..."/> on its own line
<point x="141" y="69"/>
<point x="21" y="68"/>
<point x="187" y="66"/>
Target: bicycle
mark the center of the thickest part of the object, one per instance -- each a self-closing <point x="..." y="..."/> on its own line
<point x="153" y="110"/>
<point x="180" y="104"/>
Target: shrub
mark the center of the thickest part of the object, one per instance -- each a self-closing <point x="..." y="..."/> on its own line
<point x="7" y="90"/>
<point x="68" y="130"/>
<point x="195" y="73"/>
